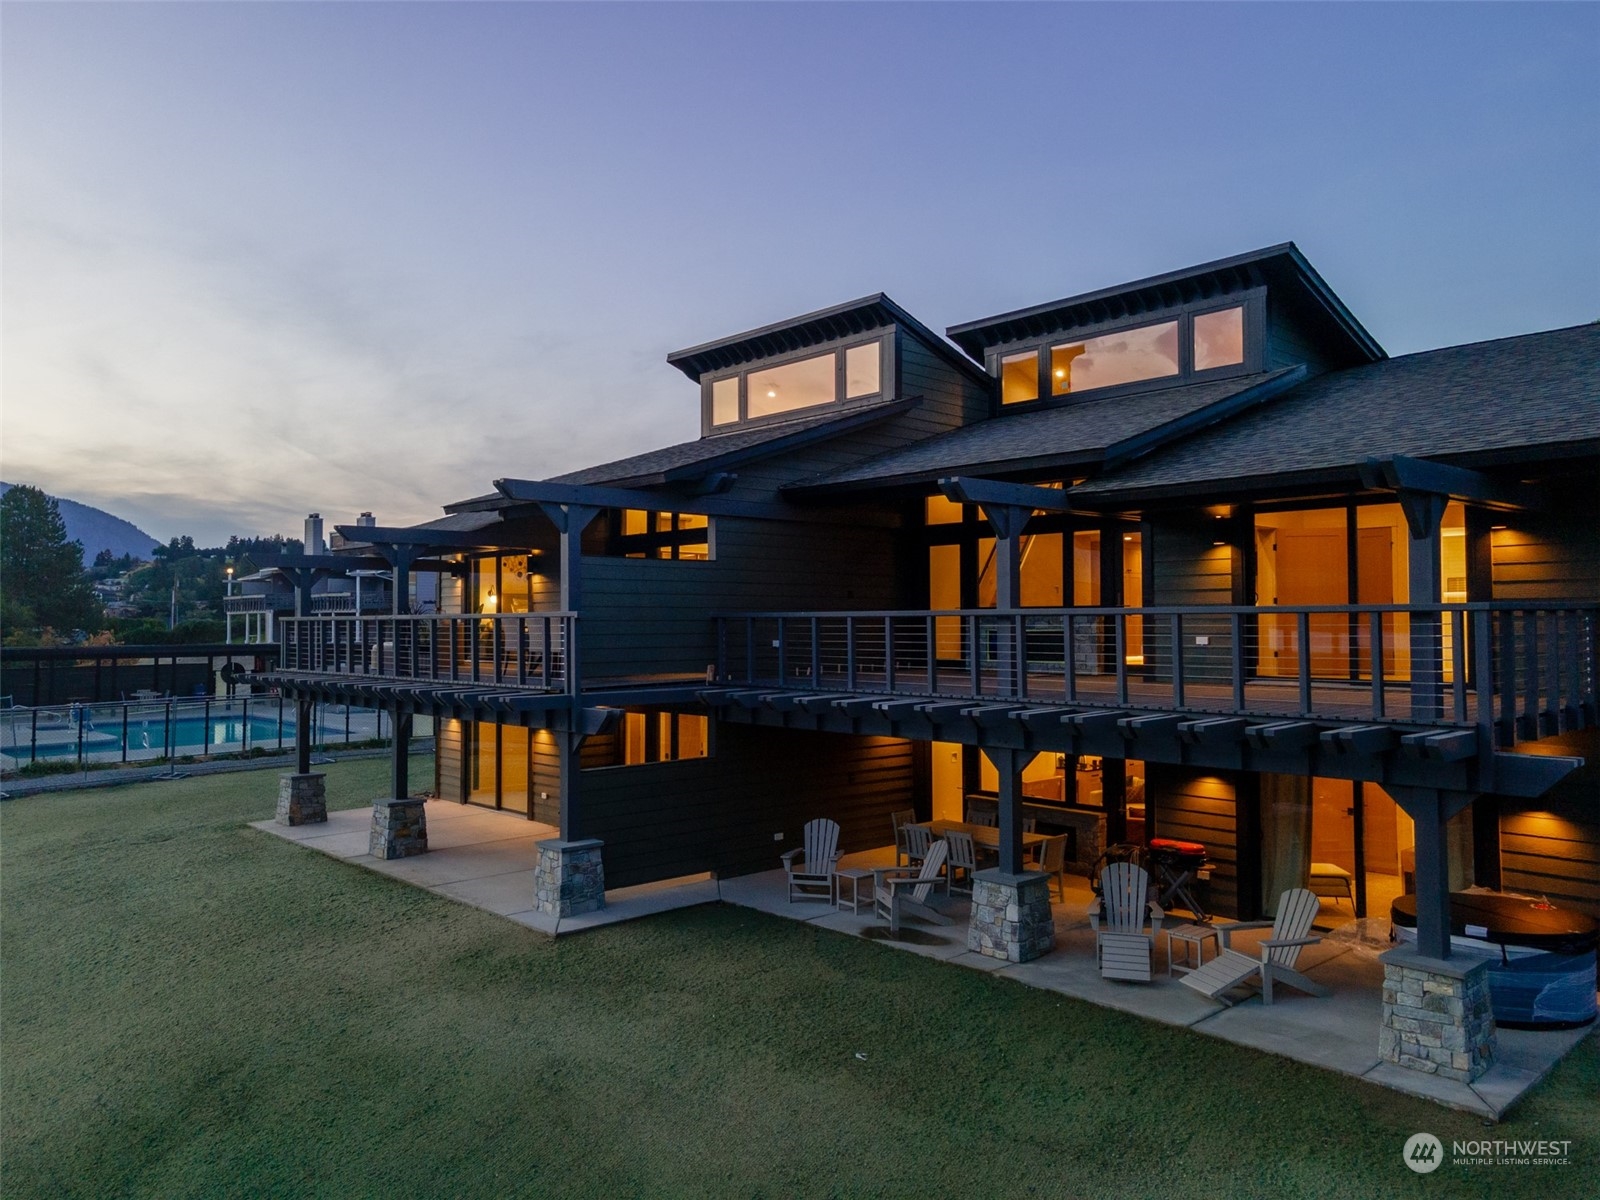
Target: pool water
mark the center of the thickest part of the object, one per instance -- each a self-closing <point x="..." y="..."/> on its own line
<point x="146" y="736"/>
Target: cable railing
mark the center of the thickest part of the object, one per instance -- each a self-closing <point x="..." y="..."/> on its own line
<point x="129" y="733"/>
<point x="1529" y="671"/>
<point x="524" y="650"/>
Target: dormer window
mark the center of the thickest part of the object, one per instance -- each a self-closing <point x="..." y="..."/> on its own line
<point x="846" y="373"/>
<point x="1188" y="344"/>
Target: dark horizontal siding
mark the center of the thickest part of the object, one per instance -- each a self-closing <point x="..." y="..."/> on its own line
<point x="1187" y="568"/>
<point x="1551" y="846"/>
<point x="720" y="814"/>
<point x="649" y="616"/>
<point x="1199" y="808"/>
<point x="1551" y="556"/>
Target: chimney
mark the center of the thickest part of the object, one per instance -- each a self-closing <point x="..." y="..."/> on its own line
<point x="367" y="519"/>
<point x="314" y="543"/>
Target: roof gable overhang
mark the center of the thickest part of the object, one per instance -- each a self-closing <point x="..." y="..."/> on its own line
<point x="1282" y="269"/>
<point x="850" y="319"/>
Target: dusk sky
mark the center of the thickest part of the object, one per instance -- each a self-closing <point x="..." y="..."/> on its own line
<point x="261" y="259"/>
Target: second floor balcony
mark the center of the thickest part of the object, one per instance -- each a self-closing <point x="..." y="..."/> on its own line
<point x="1526" y="672"/>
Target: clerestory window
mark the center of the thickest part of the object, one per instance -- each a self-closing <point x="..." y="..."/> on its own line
<point x="846" y="373"/>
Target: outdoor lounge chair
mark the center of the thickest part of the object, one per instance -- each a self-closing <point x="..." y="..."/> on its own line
<point x="1118" y="916"/>
<point x="1297" y="908"/>
<point x="900" y="891"/>
<point x="812" y="878"/>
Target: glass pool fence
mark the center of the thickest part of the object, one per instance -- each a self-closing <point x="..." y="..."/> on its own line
<point x="153" y="730"/>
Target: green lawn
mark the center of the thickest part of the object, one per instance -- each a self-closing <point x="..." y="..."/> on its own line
<point x="192" y="1007"/>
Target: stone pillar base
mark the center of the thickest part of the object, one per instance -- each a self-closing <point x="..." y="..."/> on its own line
<point x="570" y="878"/>
<point x="1011" y="916"/>
<point x="1436" y="1014"/>
<point x="399" y="829"/>
<point x="302" y="799"/>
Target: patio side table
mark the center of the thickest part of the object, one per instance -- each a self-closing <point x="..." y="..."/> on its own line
<point x="1193" y="939"/>
<point x="854" y="875"/>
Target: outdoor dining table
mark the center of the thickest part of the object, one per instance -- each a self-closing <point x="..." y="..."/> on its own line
<point x="986" y="836"/>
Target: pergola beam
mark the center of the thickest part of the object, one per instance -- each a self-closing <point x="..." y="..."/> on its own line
<point x="1401" y="473"/>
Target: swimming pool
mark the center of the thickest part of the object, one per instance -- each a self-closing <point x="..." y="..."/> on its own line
<point x="147" y="737"/>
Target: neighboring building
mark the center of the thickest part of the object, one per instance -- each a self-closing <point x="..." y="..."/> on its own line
<point x="256" y="602"/>
<point x="895" y="573"/>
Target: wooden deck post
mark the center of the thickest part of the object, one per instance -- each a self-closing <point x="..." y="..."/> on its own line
<point x="400" y="754"/>
<point x="1009" y="764"/>
<point x="1424" y="511"/>
<point x="302" y="735"/>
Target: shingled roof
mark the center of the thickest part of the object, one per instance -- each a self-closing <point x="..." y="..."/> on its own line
<point x="1470" y="405"/>
<point x="721" y="451"/>
<point x="1082" y="434"/>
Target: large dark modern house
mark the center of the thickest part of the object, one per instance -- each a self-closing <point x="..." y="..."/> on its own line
<point x="1190" y="557"/>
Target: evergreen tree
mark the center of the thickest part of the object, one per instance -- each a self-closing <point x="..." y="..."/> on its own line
<point x="42" y="582"/>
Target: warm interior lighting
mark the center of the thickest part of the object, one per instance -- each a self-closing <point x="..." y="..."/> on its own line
<point x="1498" y="528"/>
<point x="1219" y="543"/>
<point x="772" y="393"/>
<point x="489" y="601"/>
<point x="1127" y="537"/>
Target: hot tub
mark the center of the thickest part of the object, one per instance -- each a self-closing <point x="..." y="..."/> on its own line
<point x="1541" y="956"/>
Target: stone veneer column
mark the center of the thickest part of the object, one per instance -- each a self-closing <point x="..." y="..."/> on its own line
<point x="570" y="878"/>
<point x="1011" y="916"/>
<point x="1436" y="1014"/>
<point x="399" y="828"/>
<point x="302" y="799"/>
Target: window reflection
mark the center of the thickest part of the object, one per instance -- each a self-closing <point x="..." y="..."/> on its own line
<point x="802" y="384"/>
<point x="1219" y="339"/>
<point x="1127" y="356"/>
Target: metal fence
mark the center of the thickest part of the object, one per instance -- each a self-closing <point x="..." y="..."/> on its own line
<point x="1528" y="671"/>
<point x="144" y="731"/>
<point x="527" y="650"/>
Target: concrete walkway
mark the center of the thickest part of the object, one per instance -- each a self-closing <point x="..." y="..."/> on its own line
<point x="485" y="859"/>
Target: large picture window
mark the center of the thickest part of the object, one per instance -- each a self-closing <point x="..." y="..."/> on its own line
<point x="1186" y="344"/>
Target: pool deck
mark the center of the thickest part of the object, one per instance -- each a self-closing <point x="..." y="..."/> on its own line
<point x="485" y="859"/>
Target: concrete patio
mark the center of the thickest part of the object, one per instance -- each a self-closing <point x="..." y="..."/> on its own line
<point x="485" y="859"/>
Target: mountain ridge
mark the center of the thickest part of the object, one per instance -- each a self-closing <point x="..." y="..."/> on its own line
<point x="99" y="530"/>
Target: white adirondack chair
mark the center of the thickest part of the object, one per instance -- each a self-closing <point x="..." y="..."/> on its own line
<point x="812" y="877"/>
<point x="900" y="891"/>
<point x="1297" y="908"/>
<point x="1122" y="947"/>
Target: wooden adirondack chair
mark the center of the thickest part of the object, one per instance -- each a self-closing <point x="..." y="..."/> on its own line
<point x="900" y="891"/>
<point x="812" y="877"/>
<point x="1297" y="908"/>
<point x="1122" y="948"/>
